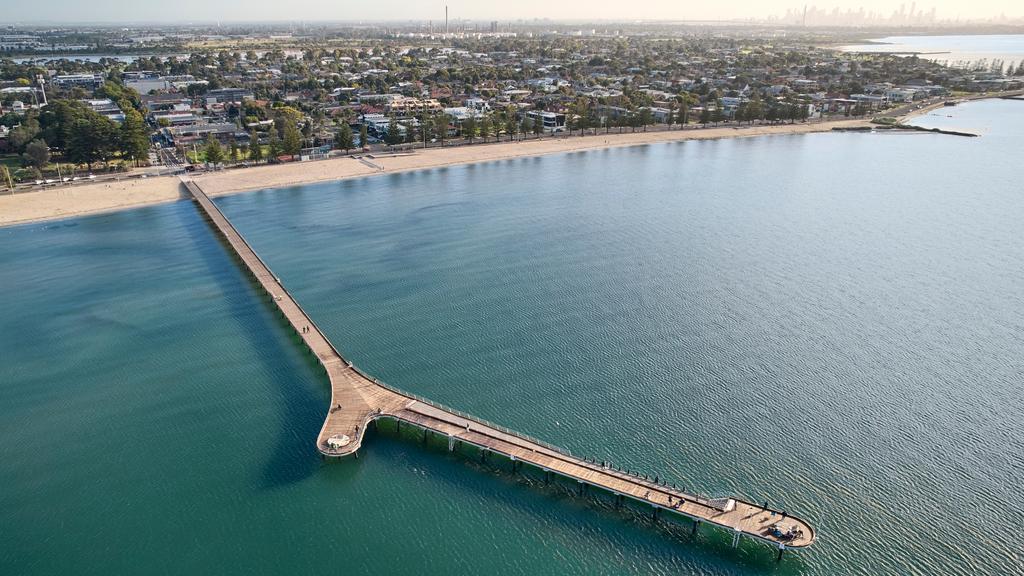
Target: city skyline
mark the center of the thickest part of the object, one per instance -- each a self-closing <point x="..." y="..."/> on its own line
<point x="185" y="11"/>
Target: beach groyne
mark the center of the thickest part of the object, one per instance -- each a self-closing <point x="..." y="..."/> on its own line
<point x="907" y="127"/>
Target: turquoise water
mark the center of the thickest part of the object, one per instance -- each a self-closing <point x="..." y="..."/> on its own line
<point x="833" y="322"/>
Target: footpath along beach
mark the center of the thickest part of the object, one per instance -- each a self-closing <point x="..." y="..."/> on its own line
<point x="77" y="200"/>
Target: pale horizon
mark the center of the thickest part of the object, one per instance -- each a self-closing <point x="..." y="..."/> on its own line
<point x="229" y="11"/>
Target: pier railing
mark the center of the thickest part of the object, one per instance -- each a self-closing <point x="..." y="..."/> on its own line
<point x="196" y="190"/>
<point x="465" y="416"/>
<point x="330" y="356"/>
<point x="634" y="476"/>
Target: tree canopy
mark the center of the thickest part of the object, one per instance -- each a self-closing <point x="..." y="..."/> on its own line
<point x="214" y="152"/>
<point x="344" y="139"/>
<point x="37" y="154"/>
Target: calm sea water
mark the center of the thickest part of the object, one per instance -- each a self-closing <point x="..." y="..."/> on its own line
<point x="833" y="322"/>
<point x="954" y="50"/>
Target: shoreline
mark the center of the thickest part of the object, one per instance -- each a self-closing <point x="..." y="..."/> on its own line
<point x="90" y="199"/>
<point x="941" y="103"/>
<point x="299" y="174"/>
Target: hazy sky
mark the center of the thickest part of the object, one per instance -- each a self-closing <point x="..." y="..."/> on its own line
<point x="311" y="10"/>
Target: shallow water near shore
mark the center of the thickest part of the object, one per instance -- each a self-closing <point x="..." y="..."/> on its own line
<point x="832" y="322"/>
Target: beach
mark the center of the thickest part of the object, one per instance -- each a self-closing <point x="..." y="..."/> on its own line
<point x="76" y="200"/>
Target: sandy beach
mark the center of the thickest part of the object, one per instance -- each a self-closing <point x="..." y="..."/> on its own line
<point x="63" y="202"/>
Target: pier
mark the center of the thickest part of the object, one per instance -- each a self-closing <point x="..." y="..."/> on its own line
<point x="357" y="400"/>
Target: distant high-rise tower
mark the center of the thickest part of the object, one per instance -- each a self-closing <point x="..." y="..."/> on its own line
<point x="445" y="18"/>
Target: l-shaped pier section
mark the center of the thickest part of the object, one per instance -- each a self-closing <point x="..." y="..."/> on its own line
<point x="358" y="399"/>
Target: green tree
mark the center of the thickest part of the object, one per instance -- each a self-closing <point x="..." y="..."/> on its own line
<point x="469" y="128"/>
<point x="255" y="149"/>
<point x="273" y="146"/>
<point x="196" y="90"/>
<point x="755" y="109"/>
<point x="233" y="151"/>
<point x="22" y="135"/>
<point x="214" y="153"/>
<point x="440" y="123"/>
<point x="91" y="138"/>
<point x="646" y="117"/>
<point x="526" y="126"/>
<point x="364" y="136"/>
<point x="511" y="124"/>
<point x="37" y="154"/>
<point x="107" y="141"/>
<point x="134" y="137"/>
<point x="292" y="142"/>
<point x="125" y="98"/>
<point x="683" y="115"/>
<point x="670" y="119"/>
<point x="410" y="132"/>
<point x="583" y="121"/>
<point x="740" y="114"/>
<point x="485" y="127"/>
<point x="497" y="125"/>
<point x="56" y="120"/>
<point x="343" y="138"/>
<point x="802" y="112"/>
<point x="538" y="127"/>
<point x="393" y="135"/>
<point x="705" y="116"/>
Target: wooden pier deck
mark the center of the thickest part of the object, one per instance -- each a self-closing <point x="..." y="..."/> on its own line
<point x="358" y="399"/>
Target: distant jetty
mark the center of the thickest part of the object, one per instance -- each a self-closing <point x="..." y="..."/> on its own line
<point x="893" y="123"/>
<point x="908" y="127"/>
